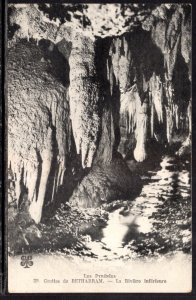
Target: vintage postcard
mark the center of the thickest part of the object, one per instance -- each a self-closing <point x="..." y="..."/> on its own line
<point x="98" y="103"/>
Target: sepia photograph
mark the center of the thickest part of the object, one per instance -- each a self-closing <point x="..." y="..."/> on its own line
<point x="99" y="134"/>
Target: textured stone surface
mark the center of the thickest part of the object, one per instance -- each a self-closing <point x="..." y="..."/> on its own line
<point x="84" y="98"/>
<point x="94" y="20"/>
<point x="106" y="183"/>
<point x="151" y="74"/>
<point x="39" y="128"/>
<point x="86" y="82"/>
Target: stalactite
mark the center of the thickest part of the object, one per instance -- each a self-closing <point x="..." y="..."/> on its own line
<point x="84" y="98"/>
<point x="170" y="45"/>
<point x="172" y="41"/>
<point x="152" y="119"/>
<point x="121" y="60"/>
<point x="130" y="105"/>
<point x="169" y="123"/>
<point x="166" y="34"/>
<point x="156" y="90"/>
<point x="141" y="133"/>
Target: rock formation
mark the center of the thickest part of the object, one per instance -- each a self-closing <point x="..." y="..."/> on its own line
<point x="106" y="183"/>
<point x="90" y="85"/>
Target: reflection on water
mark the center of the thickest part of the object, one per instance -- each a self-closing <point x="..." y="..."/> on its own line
<point x="158" y="221"/>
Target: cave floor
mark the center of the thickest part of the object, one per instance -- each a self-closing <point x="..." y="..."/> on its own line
<point x="156" y="223"/>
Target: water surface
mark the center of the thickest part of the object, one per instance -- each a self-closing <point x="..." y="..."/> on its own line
<point x="157" y="222"/>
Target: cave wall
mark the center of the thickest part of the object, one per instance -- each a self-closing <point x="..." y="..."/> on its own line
<point x="83" y="89"/>
<point x="39" y="127"/>
<point x="153" y="74"/>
